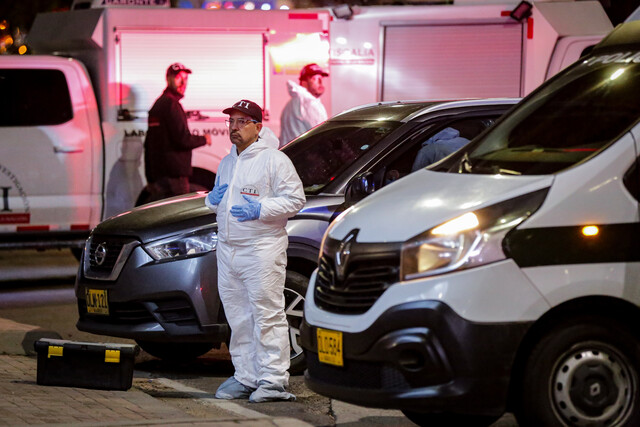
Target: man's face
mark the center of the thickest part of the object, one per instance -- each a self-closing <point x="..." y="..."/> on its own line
<point x="178" y="82"/>
<point x="243" y="136"/>
<point x="314" y="85"/>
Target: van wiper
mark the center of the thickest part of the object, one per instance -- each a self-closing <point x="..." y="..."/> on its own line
<point x="494" y="169"/>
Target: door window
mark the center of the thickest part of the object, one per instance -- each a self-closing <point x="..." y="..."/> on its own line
<point x="34" y="97"/>
<point x="405" y="159"/>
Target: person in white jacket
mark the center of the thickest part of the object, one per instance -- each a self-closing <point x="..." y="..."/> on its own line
<point x="304" y="110"/>
<point x="257" y="189"/>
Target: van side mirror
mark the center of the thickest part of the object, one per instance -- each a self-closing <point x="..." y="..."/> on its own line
<point x="359" y="187"/>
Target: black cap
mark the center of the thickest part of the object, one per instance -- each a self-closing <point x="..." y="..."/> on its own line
<point x="175" y="68"/>
<point x="310" y="70"/>
<point x="248" y="107"/>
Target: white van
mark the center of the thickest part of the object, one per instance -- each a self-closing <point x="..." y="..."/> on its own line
<point x="504" y="278"/>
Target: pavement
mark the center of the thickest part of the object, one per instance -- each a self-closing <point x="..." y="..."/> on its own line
<point x="24" y="403"/>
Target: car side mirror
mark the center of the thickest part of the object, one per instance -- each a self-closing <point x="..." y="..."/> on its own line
<point x="359" y="187"/>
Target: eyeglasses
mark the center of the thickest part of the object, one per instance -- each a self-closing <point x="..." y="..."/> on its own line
<point x="240" y="122"/>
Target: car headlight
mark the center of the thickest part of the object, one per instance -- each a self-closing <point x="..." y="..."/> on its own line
<point x="469" y="240"/>
<point x="196" y="242"/>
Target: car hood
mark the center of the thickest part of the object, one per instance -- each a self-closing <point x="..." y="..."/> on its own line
<point x="425" y="199"/>
<point x="179" y="214"/>
<point x="160" y="219"/>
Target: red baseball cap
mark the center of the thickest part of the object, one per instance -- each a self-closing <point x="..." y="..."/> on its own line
<point x="175" y="68"/>
<point x="311" y="70"/>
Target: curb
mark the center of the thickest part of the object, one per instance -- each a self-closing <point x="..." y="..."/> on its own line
<point x="18" y="338"/>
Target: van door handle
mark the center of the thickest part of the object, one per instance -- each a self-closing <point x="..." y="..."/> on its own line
<point x="65" y="149"/>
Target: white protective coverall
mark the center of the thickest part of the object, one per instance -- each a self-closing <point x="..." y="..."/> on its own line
<point x="302" y="112"/>
<point x="252" y="260"/>
<point x="269" y="137"/>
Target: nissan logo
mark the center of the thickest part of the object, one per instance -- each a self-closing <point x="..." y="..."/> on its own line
<point x="101" y="253"/>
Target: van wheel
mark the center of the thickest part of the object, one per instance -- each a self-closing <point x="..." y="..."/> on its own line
<point x="449" y="419"/>
<point x="295" y="287"/>
<point x="582" y="373"/>
<point x="175" y="351"/>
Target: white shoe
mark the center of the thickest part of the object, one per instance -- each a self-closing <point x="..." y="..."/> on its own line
<point x="267" y="392"/>
<point x="233" y="389"/>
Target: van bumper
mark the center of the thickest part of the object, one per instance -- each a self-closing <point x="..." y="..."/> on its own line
<point x="420" y="356"/>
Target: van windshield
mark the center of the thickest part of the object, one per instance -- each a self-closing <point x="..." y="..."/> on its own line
<point x="571" y="119"/>
<point x="326" y="151"/>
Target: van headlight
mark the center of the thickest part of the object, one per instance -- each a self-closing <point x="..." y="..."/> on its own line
<point x="472" y="239"/>
<point x="193" y="243"/>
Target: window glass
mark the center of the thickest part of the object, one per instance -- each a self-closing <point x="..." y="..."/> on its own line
<point x="566" y="122"/>
<point x="326" y="151"/>
<point x="419" y="152"/>
<point x="33" y="97"/>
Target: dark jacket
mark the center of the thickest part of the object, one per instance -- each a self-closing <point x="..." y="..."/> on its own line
<point x="168" y="145"/>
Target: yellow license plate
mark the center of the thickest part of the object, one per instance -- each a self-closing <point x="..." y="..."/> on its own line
<point x="97" y="302"/>
<point x="330" y="347"/>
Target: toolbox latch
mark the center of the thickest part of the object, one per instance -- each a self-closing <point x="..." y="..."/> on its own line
<point x="55" y="350"/>
<point x="112" y="356"/>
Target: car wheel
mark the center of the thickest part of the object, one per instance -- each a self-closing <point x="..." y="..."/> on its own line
<point x="295" y="287"/>
<point x="175" y="351"/>
<point x="449" y="419"/>
<point x="582" y="373"/>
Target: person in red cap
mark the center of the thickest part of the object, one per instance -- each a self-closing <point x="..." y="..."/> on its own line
<point x="304" y="110"/>
<point x="168" y="143"/>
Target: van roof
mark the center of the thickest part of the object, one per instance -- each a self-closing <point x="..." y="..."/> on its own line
<point x="624" y="36"/>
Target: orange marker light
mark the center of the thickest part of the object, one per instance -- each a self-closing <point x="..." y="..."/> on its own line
<point x="590" y="230"/>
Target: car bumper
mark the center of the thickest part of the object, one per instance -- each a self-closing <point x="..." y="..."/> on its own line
<point x="174" y="301"/>
<point x="442" y="344"/>
<point x="420" y="356"/>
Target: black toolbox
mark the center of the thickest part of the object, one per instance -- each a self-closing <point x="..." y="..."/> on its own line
<point x="105" y="366"/>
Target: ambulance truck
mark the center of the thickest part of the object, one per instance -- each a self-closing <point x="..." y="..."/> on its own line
<point x="74" y="115"/>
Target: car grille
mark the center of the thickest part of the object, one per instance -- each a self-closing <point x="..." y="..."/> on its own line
<point x="177" y="311"/>
<point x="129" y="313"/>
<point x="106" y="256"/>
<point x="368" y="271"/>
<point x="357" y="374"/>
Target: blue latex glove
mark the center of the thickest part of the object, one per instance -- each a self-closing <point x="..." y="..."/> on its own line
<point x="246" y="212"/>
<point x="215" y="195"/>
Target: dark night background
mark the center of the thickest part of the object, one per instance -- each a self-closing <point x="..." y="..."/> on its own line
<point x="19" y="14"/>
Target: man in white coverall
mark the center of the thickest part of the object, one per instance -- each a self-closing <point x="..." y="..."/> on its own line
<point x="304" y="110"/>
<point x="257" y="189"/>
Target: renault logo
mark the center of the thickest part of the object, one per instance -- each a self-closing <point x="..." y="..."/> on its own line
<point x="343" y="252"/>
<point x="101" y="253"/>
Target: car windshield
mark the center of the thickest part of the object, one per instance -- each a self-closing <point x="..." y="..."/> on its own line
<point x="326" y="151"/>
<point x="569" y="120"/>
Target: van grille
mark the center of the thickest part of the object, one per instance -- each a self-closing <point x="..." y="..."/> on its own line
<point x="370" y="269"/>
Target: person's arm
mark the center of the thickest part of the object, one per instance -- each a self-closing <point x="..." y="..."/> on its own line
<point x="288" y="195"/>
<point x="179" y="132"/>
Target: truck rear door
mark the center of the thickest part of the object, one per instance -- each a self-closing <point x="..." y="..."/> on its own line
<point x="451" y="61"/>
